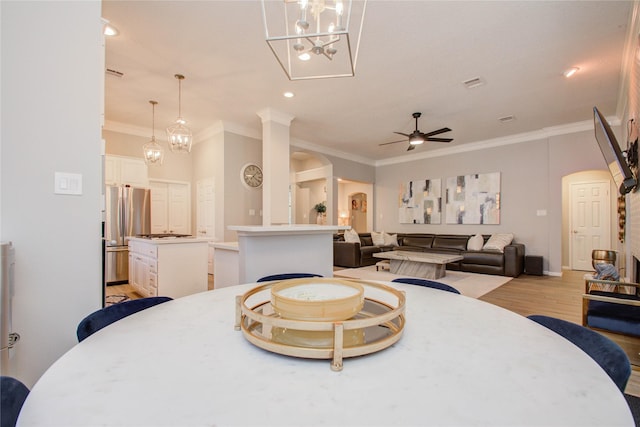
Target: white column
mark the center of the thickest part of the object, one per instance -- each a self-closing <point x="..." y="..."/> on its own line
<point x="275" y="166"/>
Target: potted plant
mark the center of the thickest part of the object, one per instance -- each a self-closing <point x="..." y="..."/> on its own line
<point x="320" y="208"/>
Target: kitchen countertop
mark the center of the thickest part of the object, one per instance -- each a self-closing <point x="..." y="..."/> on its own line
<point x="169" y="240"/>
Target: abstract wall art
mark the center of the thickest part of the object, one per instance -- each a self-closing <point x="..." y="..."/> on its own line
<point x="420" y="202"/>
<point x="473" y="199"/>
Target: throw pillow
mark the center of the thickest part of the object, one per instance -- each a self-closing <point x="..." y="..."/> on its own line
<point x="606" y="271"/>
<point x="497" y="242"/>
<point x="378" y="238"/>
<point x="351" y="236"/>
<point x="475" y="243"/>
<point x="390" y="239"/>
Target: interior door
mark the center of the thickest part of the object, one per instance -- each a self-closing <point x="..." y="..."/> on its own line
<point x="205" y="213"/>
<point x="590" y="226"/>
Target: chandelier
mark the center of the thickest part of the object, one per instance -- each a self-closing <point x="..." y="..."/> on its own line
<point x="314" y="39"/>
<point x="153" y="152"/>
<point x="178" y="135"/>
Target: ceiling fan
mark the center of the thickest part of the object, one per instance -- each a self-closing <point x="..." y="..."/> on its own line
<point x="416" y="137"/>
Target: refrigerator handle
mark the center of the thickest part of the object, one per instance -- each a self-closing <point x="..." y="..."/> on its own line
<point x="121" y="230"/>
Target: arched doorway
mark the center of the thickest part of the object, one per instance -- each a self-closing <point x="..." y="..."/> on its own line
<point x="358" y="212"/>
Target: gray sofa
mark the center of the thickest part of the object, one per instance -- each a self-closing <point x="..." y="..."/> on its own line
<point x="508" y="263"/>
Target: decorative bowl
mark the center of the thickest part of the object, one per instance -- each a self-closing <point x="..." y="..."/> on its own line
<point x="317" y="299"/>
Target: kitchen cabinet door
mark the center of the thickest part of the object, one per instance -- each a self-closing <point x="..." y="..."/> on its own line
<point x="120" y="170"/>
<point x="170" y="208"/>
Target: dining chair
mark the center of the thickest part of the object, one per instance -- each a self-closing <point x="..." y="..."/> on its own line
<point x="106" y="316"/>
<point x="609" y="355"/>
<point x="427" y="283"/>
<point x="13" y="393"/>
<point x="285" y="276"/>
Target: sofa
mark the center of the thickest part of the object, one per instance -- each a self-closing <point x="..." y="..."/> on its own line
<point x="509" y="262"/>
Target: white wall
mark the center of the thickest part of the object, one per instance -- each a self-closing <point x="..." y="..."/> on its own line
<point x="52" y="82"/>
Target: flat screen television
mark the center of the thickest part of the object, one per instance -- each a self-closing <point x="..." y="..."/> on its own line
<point x="622" y="175"/>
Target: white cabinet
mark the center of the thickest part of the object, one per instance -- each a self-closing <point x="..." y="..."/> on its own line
<point x="170" y="208"/>
<point x="125" y="171"/>
<point x="173" y="268"/>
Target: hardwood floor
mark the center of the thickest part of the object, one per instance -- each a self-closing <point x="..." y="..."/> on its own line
<point x="559" y="297"/>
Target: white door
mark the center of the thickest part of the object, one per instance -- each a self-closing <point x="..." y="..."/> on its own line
<point x="590" y="222"/>
<point x="179" y="212"/>
<point x="159" y="211"/>
<point x="205" y="213"/>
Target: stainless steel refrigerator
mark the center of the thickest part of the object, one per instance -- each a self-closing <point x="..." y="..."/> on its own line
<point x="128" y="213"/>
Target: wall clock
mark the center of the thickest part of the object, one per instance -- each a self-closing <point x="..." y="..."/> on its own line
<point x="251" y="175"/>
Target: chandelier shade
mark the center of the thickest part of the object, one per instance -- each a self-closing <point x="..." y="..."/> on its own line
<point x="179" y="136"/>
<point x="314" y="39"/>
<point x="152" y="151"/>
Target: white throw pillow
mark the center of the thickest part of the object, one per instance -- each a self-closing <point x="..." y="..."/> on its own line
<point x="390" y="239"/>
<point x="378" y="238"/>
<point x="351" y="236"/>
<point x="475" y="243"/>
<point x="497" y="242"/>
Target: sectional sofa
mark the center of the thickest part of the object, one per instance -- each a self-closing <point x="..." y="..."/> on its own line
<point x="509" y="262"/>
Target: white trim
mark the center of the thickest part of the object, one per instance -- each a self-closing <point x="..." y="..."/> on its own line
<point x="271" y="115"/>
<point x="305" y="145"/>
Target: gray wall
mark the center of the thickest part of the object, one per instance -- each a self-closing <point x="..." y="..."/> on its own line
<point x="238" y="199"/>
<point x="52" y="69"/>
<point x="531" y="176"/>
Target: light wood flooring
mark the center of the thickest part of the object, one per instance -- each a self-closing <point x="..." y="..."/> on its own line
<point x="559" y="297"/>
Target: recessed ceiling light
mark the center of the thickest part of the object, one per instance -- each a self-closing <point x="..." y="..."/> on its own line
<point x="288" y="95"/>
<point x="110" y="30"/>
<point x="571" y="71"/>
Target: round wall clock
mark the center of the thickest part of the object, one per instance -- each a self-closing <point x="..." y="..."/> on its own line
<point x="251" y="175"/>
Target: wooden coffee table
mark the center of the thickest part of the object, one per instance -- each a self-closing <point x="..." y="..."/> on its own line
<point x="418" y="264"/>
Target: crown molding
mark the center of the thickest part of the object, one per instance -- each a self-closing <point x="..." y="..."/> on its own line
<point x="271" y="115"/>
<point x="305" y="145"/>
<point x="543" y="133"/>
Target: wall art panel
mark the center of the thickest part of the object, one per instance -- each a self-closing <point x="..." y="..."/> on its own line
<point x="473" y="199"/>
<point x="420" y="202"/>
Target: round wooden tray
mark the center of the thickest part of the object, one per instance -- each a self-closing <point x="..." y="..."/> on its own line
<point x="378" y="325"/>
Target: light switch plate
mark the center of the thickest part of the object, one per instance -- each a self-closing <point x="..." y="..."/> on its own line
<point x="68" y="183"/>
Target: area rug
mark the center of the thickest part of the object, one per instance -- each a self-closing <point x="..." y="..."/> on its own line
<point x="469" y="284"/>
<point x="114" y="299"/>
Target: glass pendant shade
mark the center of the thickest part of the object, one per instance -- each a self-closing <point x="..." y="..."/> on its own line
<point x="178" y="135"/>
<point x="152" y="151"/>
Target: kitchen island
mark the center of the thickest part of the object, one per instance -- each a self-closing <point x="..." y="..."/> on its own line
<point x="173" y="267"/>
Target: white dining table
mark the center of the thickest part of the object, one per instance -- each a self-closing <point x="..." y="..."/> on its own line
<point x="460" y="362"/>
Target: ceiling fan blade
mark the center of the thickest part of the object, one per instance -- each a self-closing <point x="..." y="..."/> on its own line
<point x="437" y="132"/>
<point x="411" y="147"/>
<point x="393" y="142"/>
<point x="404" y="134"/>
<point x="440" y="139"/>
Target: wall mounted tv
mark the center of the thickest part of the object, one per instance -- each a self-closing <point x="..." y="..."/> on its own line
<point x="622" y="175"/>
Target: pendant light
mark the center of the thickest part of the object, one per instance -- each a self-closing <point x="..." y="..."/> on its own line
<point x="153" y="152"/>
<point x="178" y="135"/>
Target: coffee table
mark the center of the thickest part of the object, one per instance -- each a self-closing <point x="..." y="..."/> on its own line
<point x="418" y="264"/>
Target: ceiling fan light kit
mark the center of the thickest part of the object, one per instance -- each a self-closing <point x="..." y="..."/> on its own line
<point x="416" y="137"/>
<point x="314" y="39"/>
<point x="178" y="135"/>
<point x="152" y="151"/>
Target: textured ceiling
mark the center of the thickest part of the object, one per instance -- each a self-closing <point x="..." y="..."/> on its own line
<point x="414" y="56"/>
